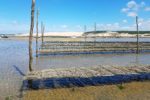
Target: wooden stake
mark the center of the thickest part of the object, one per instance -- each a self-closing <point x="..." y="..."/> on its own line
<point x="137" y="26"/>
<point x="95" y="29"/>
<point x="42" y="31"/>
<point x="37" y="34"/>
<point x="85" y="32"/>
<point x="31" y="35"/>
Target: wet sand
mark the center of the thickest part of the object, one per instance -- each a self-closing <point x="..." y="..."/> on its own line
<point x="126" y="91"/>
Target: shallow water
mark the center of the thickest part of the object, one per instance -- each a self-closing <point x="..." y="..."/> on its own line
<point x="14" y="62"/>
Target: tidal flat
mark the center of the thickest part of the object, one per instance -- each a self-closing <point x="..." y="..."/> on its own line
<point x="125" y="91"/>
<point x="14" y="62"/>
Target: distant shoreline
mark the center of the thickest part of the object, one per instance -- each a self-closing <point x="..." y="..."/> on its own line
<point x="83" y="35"/>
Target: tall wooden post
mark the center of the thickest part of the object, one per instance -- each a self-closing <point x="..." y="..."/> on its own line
<point x="42" y="31"/>
<point x="37" y="33"/>
<point x="84" y="33"/>
<point x="84" y="28"/>
<point x="95" y="29"/>
<point x="137" y="27"/>
<point x="31" y="35"/>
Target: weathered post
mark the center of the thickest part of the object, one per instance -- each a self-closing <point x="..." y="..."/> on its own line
<point x="42" y="31"/>
<point x="37" y="33"/>
<point x="84" y="33"/>
<point x="95" y="29"/>
<point x="31" y="35"/>
<point x="137" y="27"/>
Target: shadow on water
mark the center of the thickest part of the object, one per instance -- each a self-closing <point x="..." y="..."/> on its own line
<point x="50" y="83"/>
<point x="18" y="70"/>
<point x="137" y="61"/>
<point x="20" y="95"/>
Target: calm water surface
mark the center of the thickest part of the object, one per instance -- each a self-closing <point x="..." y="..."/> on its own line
<point x="14" y="62"/>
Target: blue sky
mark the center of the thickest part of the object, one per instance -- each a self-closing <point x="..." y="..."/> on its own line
<point x="72" y="15"/>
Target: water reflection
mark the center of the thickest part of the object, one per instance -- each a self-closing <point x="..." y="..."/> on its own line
<point x="137" y="59"/>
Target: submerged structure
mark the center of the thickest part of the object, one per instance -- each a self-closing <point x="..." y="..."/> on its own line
<point x="72" y="77"/>
<point x="90" y="47"/>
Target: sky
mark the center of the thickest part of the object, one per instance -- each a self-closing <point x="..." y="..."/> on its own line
<point x="73" y="15"/>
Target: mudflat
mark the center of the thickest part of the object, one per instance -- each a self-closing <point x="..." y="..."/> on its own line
<point x="125" y="91"/>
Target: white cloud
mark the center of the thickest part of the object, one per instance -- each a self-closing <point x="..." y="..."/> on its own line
<point x="14" y="27"/>
<point x="116" y="24"/>
<point x="141" y="20"/>
<point x="132" y="8"/>
<point x="64" y="26"/>
<point x="14" y="22"/>
<point x="132" y="5"/>
<point x="125" y="9"/>
<point x="144" y="24"/>
<point x="132" y="14"/>
<point x="147" y="8"/>
<point x="142" y="4"/>
<point x="79" y="26"/>
<point x="109" y="26"/>
<point x="125" y="21"/>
